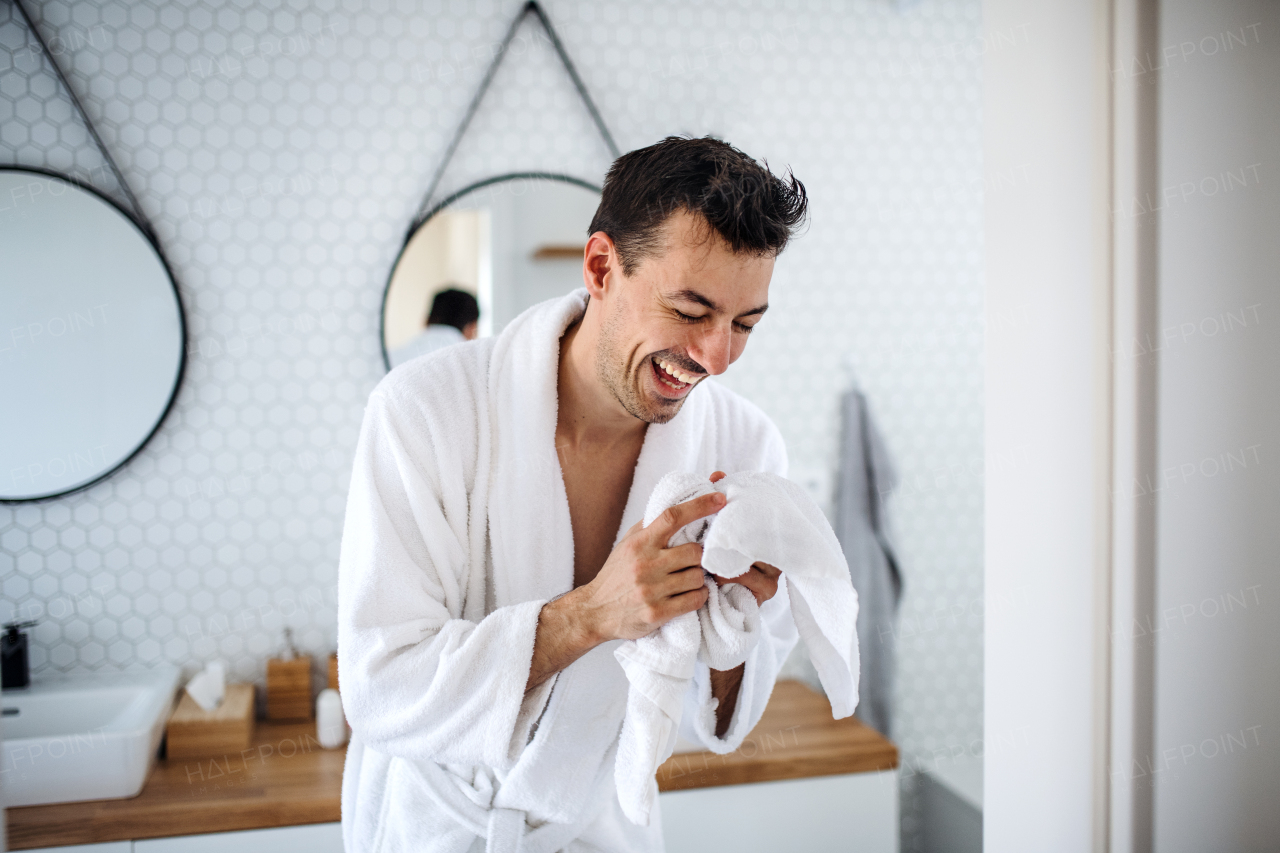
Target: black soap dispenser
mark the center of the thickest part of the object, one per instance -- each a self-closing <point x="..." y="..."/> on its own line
<point x="14" y="670"/>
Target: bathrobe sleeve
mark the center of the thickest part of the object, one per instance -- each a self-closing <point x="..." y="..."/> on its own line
<point x="425" y="674"/>
<point x="759" y="449"/>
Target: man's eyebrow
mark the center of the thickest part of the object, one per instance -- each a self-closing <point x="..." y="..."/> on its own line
<point x="694" y="296"/>
<point x="687" y="295"/>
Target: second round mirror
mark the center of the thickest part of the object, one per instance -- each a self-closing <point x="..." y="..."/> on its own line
<point x="509" y="242"/>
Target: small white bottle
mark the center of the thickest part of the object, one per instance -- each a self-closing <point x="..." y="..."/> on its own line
<point x="331" y="723"/>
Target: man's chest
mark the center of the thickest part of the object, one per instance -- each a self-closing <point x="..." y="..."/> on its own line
<point x="597" y="483"/>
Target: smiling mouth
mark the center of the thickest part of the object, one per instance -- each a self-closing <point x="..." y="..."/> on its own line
<point x="671" y="378"/>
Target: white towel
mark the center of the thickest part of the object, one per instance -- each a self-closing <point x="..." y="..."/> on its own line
<point x="767" y="519"/>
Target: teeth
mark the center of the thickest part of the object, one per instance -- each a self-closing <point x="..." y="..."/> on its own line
<point x="676" y="372"/>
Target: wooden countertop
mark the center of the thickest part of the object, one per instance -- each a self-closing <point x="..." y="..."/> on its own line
<point x="795" y="739"/>
<point x="283" y="779"/>
<point x="286" y="779"/>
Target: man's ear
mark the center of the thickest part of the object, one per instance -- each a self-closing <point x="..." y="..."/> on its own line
<point x="600" y="265"/>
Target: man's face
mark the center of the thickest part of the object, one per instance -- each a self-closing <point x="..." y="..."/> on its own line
<point x="683" y="314"/>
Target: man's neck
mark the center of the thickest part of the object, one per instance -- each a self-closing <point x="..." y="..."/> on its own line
<point x="588" y="412"/>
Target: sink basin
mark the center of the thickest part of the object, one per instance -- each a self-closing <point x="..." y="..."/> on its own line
<point x="83" y="737"/>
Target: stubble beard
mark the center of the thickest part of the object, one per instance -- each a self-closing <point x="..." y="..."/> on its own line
<point x="611" y="367"/>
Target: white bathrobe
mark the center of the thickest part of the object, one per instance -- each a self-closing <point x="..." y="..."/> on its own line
<point x="457" y="532"/>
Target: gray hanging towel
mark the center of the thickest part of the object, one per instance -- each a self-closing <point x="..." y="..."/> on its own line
<point x="865" y="479"/>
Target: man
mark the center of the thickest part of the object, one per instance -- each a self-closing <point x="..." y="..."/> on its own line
<point x="493" y="555"/>
<point x="453" y="318"/>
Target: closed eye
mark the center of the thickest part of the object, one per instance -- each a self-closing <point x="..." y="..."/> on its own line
<point x="689" y="318"/>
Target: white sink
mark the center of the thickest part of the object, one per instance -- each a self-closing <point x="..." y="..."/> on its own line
<point x="83" y="737"/>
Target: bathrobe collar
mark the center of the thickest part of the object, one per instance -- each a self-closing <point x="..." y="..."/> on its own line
<point x="531" y="534"/>
<point x="570" y="759"/>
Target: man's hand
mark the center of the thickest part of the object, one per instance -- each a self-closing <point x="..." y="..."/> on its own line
<point x="761" y="579"/>
<point x="642" y="586"/>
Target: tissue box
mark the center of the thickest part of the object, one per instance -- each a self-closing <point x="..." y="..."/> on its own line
<point x="289" y="689"/>
<point x="194" y="732"/>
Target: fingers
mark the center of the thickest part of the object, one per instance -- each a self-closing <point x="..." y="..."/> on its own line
<point x="683" y="565"/>
<point x="761" y="579"/>
<point x="681" y="557"/>
<point x="687" y="602"/>
<point x="767" y="570"/>
<point x="681" y="514"/>
<point x="761" y="587"/>
<point x="767" y="589"/>
<point x="717" y="476"/>
<point x="685" y="580"/>
<point x="663" y="609"/>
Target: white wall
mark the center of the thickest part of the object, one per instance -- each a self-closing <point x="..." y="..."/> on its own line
<point x="1041" y="131"/>
<point x="1216" y="757"/>
<point x="1212" y="758"/>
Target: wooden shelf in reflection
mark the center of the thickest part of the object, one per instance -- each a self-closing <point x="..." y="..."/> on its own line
<point x="559" y="253"/>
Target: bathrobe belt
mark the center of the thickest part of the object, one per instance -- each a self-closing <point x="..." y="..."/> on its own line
<point x="565" y="776"/>
<point x="505" y="830"/>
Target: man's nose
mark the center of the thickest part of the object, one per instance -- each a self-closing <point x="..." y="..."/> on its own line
<point x="711" y="349"/>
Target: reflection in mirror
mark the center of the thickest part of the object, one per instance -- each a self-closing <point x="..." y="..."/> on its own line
<point x="511" y="241"/>
<point x="91" y="336"/>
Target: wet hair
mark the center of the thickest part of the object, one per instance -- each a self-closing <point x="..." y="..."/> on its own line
<point x="752" y="209"/>
<point x="453" y="307"/>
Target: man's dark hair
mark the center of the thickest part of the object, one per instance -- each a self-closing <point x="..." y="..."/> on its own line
<point x="454" y="308"/>
<point x="753" y="209"/>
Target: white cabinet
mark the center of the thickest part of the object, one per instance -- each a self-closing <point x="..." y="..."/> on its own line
<point x="104" y="847"/>
<point x="857" y="813"/>
<point x="311" y="838"/>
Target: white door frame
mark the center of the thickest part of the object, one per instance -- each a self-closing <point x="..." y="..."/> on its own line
<point x="1070" y="534"/>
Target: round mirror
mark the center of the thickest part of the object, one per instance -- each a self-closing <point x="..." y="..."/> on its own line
<point x="91" y="336"/>
<point x="508" y="242"/>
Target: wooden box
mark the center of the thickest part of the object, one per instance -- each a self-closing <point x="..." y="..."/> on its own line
<point x="194" y="732"/>
<point x="289" y="689"/>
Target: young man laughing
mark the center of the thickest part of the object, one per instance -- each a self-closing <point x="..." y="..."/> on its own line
<point x="493" y="555"/>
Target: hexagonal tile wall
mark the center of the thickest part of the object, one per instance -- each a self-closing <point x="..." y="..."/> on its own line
<point x="280" y="150"/>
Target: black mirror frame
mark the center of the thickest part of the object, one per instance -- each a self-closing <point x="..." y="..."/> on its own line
<point x="182" y="331"/>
